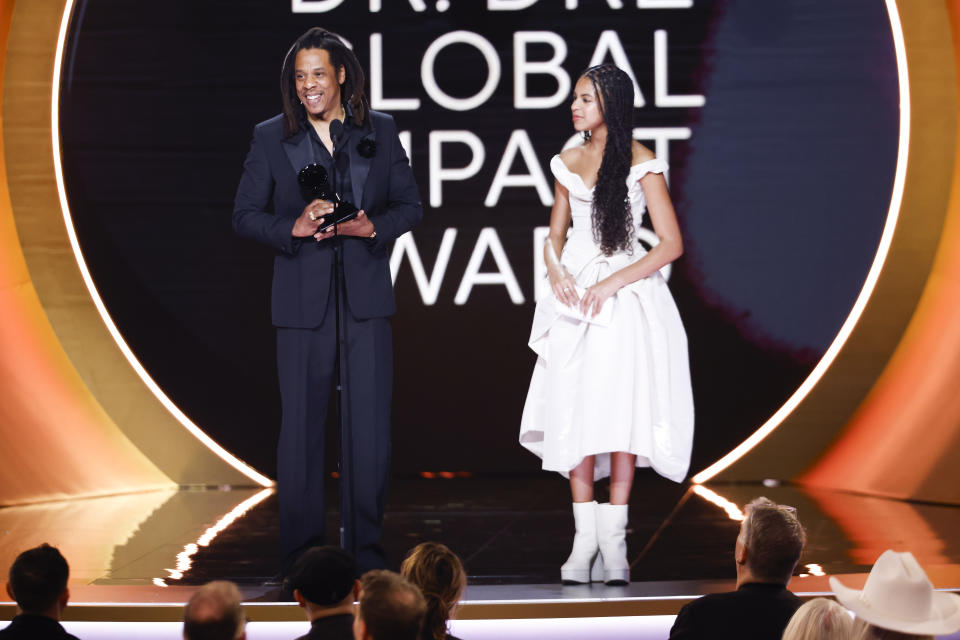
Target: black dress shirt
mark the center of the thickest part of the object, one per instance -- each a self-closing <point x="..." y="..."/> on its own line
<point x="331" y="628"/>
<point x="33" y="627"/>
<point x="340" y="180"/>
<point x="754" y="611"/>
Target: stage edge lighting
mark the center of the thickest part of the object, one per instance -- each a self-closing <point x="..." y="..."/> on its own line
<point x="184" y="558"/>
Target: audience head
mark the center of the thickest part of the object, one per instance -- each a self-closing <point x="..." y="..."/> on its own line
<point x="819" y="619"/>
<point x="323" y="578"/>
<point x="439" y="574"/>
<point x="38" y="581"/>
<point x="770" y="542"/>
<point x="899" y="602"/>
<point x="214" y="613"/>
<point x="390" y="608"/>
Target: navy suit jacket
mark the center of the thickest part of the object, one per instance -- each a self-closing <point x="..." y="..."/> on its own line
<point x="268" y="203"/>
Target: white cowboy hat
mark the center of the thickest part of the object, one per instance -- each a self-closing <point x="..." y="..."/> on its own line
<point x="898" y="596"/>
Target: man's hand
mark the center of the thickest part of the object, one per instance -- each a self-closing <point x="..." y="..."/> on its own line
<point x="360" y="227"/>
<point x="311" y="218"/>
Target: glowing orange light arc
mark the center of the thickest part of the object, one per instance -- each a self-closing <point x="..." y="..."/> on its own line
<point x="883" y="248"/>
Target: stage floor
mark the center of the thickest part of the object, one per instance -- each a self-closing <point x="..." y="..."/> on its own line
<point x="145" y="553"/>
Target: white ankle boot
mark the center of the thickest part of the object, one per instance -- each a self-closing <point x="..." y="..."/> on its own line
<point x="611" y="537"/>
<point x="584" y="562"/>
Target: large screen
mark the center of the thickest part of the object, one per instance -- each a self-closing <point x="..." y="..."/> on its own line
<point x="779" y="122"/>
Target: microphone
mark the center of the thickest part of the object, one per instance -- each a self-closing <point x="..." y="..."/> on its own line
<point x="336" y="131"/>
<point x="344" y="210"/>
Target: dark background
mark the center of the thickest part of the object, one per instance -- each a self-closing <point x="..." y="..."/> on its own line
<point x="781" y="192"/>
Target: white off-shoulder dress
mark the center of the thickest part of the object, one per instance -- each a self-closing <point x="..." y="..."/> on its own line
<point x="620" y="381"/>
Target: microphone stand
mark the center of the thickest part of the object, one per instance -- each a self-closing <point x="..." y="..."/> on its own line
<point x="348" y="529"/>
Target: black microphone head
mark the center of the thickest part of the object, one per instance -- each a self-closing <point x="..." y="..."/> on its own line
<point x="336" y="130"/>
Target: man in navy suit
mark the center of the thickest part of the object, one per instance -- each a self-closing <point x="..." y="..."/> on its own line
<point x="322" y="85"/>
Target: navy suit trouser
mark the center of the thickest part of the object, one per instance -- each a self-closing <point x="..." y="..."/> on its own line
<point x="306" y="360"/>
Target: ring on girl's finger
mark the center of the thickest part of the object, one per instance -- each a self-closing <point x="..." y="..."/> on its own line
<point x="312" y="216"/>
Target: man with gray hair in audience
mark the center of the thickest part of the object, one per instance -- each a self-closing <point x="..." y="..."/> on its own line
<point x="214" y="613"/>
<point x="390" y="608"/>
<point x="766" y="552"/>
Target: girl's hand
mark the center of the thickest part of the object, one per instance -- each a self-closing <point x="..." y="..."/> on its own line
<point x="595" y="296"/>
<point x="564" y="286"/>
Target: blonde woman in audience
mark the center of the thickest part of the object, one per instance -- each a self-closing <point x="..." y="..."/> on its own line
<point x="441" y="578"/>
<point x="819" y="619"/>
<point x="898" y="602"/>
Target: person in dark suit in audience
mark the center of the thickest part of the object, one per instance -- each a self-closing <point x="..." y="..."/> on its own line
<point x="766" y="553"/>
<point x="38" y="584"/>
<point x="324" y="582"/>
<point x="328" y="129"/>
<point x="215" y="612"/>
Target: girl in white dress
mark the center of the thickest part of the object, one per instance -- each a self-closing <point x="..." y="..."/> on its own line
<point x="611" y="387"/>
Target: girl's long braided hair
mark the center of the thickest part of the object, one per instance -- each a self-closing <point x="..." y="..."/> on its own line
<point x="612" y="218"/>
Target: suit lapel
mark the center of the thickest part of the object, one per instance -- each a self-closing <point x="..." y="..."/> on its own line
<point x="298" y="151"/>
<point x="359" y="169"/>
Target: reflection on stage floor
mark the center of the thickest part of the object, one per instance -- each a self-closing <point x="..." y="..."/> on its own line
<point x="512" y="534"/>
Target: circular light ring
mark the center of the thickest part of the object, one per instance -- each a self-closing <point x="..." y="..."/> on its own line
<point x="760" y="434"/>
<point x="131" y="358"/>
<point x="883" y="249"/>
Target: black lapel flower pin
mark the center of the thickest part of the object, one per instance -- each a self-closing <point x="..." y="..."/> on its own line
<point x="367" y="147"/>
